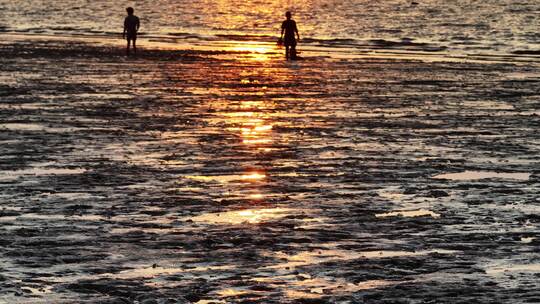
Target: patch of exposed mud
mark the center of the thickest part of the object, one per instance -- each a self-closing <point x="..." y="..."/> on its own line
<point x="231" y="177"/>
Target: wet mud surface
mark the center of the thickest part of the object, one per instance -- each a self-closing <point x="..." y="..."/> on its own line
<point x="223" y="177"/>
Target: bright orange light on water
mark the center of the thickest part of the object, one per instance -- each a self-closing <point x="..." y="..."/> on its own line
<point x="263" y="128"/>
<point x="251" y="104"/>
<point x="252" y="49"/>
<point x="257" y="134"/>
<point x="253" y="176"/>
<point x="258" y="141"/>
<point x="256" y="130"/>
<point x="249" y="216"/>
<point x="256" y="196"/>
<point x="239" y="114"/>
<point x="256" y="51"/>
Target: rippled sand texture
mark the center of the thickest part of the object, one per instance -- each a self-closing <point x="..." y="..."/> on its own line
<point x="222" y="177"/>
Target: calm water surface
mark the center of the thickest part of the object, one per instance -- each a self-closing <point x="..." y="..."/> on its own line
<point x="465" y="26"/>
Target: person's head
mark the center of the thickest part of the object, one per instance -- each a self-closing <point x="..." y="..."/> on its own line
<point x="130" y="10"/>
<point x="288" y="15"/>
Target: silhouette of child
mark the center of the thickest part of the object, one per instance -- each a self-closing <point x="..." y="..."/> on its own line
<point x="289" y="28"/>
<point x="131" y="27"/>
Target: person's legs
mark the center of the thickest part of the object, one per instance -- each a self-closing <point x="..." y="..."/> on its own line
<point x="292" y="54"/>
<point x="287" y="52"/>
<point x="134" y="45"/>
<point x="128" y="44"/>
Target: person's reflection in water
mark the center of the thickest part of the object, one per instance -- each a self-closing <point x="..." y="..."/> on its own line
<point x="131" y="27"/>
<point x="289" y="28"/>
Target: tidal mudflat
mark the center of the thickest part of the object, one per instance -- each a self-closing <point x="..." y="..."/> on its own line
<point x="199" y="176"/>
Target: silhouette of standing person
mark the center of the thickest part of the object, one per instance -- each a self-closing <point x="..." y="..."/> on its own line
<point x="289" y="28"/>
<point x="131" y="27"/>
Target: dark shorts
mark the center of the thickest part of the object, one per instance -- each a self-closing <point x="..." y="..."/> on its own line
<point x="289" y="41"/>
<point x="131" y="36"/>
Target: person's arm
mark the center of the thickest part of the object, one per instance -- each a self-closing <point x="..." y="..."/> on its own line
<point x="138" y="24"/>
<point x="125" y="27"/>
<point x="296" y="30"/>
<point x="282" y="30"/>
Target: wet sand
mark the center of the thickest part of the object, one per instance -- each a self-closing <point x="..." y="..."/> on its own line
<point x="199" y="176"/>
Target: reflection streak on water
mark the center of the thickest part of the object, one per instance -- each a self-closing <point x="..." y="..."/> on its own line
<point x="255" y="50"/>
<point x="150" y="272"/>
<point x="250" y="216"/>
<point x="304" y="285"/>
<point x="473" y="175"/>
<point x="511" y="267"/>
<point x="252" y="123"/>
<point x="231" y="292"/>
<point x="411" y="213"/>
<point x="318" y="287"/>
<point x="248" y="177"/>
<point x="39" y="170"/>
<point x="326" y="255"/>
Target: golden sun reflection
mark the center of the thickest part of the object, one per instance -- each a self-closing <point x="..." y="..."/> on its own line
<point x="231" y="292"/>
<point x="253" y="176"/>
<point x="239" y="114"/>
<point x="249" y="216"/>
<point x="250" y="127"/>
<point x="252" y="49"/>
<point x="255" y="50"/>
<point x="251" y="104"/>
<point x="256" y="196"/>
<point x="256" y="141"/>
<point x="263" y="128"/>
<point x="249" y="177"/>
<point x="256" y="132"/>
<point x="253" y="125"/>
